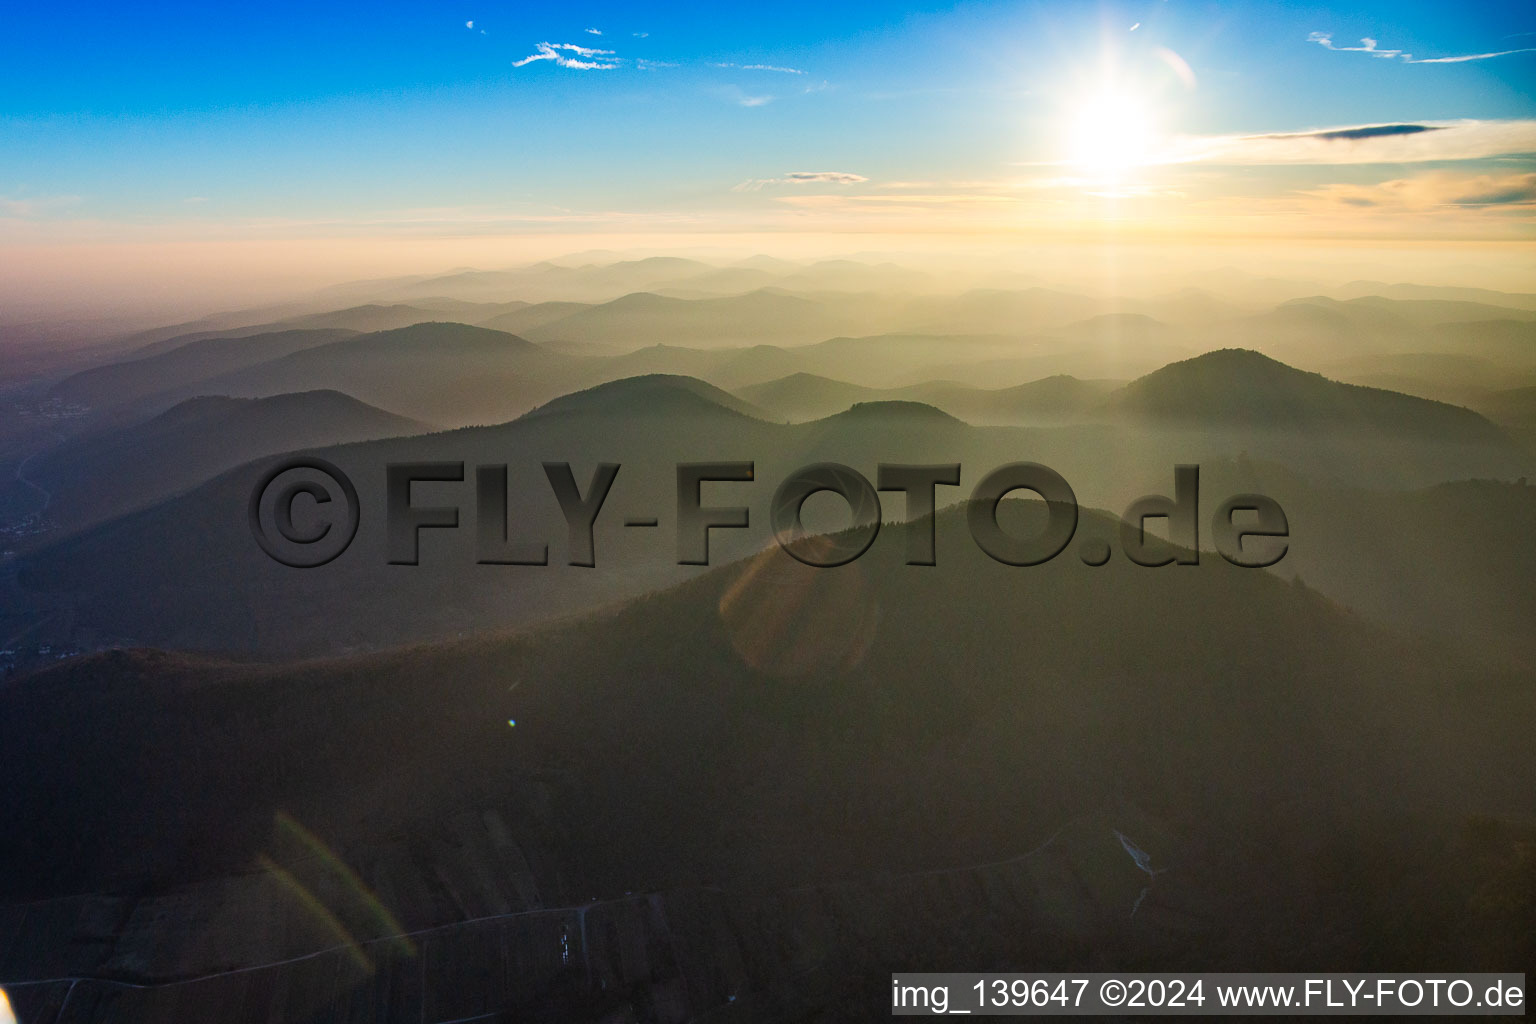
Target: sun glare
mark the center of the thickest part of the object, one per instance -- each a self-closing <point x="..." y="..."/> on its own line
<point x="1109" y="135"/>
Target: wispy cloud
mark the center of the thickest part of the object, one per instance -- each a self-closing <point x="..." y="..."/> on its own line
<point x="757" y="67"/>
<point x="35" y="206"/>
<point x="1369" y="131"/>
<point x="803" y="178"/>
<point x="589" y="58"/>
<point x="836" y="177"/>
<point x="1007" y="186"/>
<point x="1372" y="47"/>
<point x="1470" y="56"/>
<point x="566" y="56"/>
<point x="1367" y="45"/>
<point x="1516" y="189"/>
<point x="741" y="98"/>
<point x="1413" y="142"/>
<point x="1439" y="189"/>
<point x="593" y="31"/>
<point x="932" y="199"/>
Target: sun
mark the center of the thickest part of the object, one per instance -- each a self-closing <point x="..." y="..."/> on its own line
<point x="1110" y="134"/>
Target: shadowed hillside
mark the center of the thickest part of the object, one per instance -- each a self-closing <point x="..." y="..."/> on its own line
<point x="186" y="364"/>
<point x="186" y="572"/>
<point x="372" y="316"/>
<point x="1514" y="408"/>
<point x="1447" y="561"/>
<point x="103" y="474"/>
<point x="657" y="394"/>
<point x="804" y="396"/>
<point x="1508" y="342"/>
<point x="762" y="316"/>
<point x="487" y="771"/>
<point x="440" y="372"/>
<point x="828" y="732"/>
<point x="520" y="321"/>
<point x="1235" y="387"/>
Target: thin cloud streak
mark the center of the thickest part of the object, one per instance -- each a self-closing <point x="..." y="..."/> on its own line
<point x="802" y="178"/>
<point x="1370" y="131"/>
<point x="1471" y="56"/>
<point x="587" y="58"/>
<point x="1436" y="190"/>
<point x="756" y="67"/>
<point x="1362" y="144"/>
<point x="552" y="51"/>
<point x="1370" y="46"/>
<point x="1367" y="45"/>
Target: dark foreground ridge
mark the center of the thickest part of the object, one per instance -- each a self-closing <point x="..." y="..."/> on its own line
<point x="830" y="775"/>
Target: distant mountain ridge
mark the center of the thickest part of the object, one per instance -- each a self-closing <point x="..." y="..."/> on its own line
<point x="648" y="425"/>
<point x="100" y="475"/>
<point x="1238" y="387"/>
<point x="186" y="364"/>
<point x="362" y="319"/>
<point x="656" y="394"/>
<point x="1057" y="399"/>
<point x="447" y="373"/>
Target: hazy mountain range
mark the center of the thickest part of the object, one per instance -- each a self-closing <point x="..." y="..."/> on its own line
<point x="647" y="790"/>
<point x="1330" y="433"/>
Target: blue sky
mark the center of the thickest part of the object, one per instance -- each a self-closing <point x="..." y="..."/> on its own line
<point x="120" y="122"/>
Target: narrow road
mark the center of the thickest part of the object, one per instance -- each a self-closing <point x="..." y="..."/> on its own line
<point x="21" y="473"/>
<point x="21" y="478"/>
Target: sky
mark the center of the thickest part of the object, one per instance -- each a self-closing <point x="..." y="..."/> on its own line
<point x="149" y="149"/>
